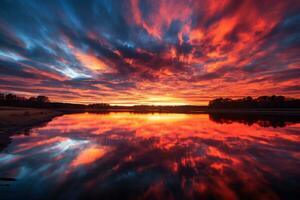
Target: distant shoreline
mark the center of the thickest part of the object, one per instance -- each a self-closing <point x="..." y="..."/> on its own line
<point x="161" y="109"/>
<point x="271" y="111"/>
<point x="190" y="111"/>
<point x="248" y="105"/>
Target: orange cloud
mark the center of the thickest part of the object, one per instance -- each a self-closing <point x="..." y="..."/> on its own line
<point x="88" y="156"/>
<point x="92" y="62"/>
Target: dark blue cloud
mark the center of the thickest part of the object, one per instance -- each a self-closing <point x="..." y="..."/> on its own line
<point x="134" y="43"/>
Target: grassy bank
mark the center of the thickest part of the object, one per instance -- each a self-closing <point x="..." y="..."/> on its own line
<point x="14" y="119"/>
<point x="20" y="120"/>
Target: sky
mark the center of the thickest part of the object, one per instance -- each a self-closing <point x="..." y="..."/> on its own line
<point x="149" y="52"/>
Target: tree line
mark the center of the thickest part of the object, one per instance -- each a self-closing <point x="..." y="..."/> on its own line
<point x="259" y="102"/>
<point x="219" y="103"/>
<point x="43" y="102"/>
<point x="263" y="120"/>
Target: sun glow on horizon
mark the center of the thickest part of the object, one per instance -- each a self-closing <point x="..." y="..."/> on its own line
<point x="149" y="101"/>
<point x="180" y="53"/>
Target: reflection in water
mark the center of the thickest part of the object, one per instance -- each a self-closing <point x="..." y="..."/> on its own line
<point x="87" y="156"/>
<point x="152" y="156"/>
<point x="263" y="120"/>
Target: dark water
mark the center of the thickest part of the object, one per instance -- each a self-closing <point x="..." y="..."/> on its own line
<point x="153" y="156"/>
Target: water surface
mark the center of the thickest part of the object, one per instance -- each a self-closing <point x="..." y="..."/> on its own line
<point x="152" y="156"/>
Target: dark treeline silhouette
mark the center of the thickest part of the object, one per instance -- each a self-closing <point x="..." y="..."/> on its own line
<point x="259" y="119"/>
<point x="44" y="102"/>
<point x="272" y="102"/>
<point x="14" y="100"/>
<point x="260" y="102"/>
<point x="181" y="108"/>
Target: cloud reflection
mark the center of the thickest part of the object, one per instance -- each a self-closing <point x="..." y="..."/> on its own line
<point x="154" y="156"/>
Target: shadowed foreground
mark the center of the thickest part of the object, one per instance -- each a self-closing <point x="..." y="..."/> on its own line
<point x="14" y="120"/>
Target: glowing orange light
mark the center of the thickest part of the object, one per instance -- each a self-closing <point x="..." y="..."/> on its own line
<point x="88" y="156"/>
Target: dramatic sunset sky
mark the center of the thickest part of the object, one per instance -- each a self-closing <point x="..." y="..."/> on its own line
<point x="149" y="51"/>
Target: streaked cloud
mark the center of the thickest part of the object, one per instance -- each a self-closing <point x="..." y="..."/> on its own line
<point x="136" y="51"/>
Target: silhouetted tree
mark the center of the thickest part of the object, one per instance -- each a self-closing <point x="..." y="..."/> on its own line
<point x="260" y="119"/>
<point x="42" y="99"/>
<point x="44" y="102"/>
<point x="98" y="105"/>
<point x="2" y="97"/>
<point x="32" y="99"/>
<point x="11" y="97"/>
<point x="260" y="102"/>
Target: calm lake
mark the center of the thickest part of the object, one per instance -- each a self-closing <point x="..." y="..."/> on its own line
<point x="153" y="156"/>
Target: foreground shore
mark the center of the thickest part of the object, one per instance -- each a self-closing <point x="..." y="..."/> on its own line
<point x="20" y="120"/>
<point x="14" y="119"/>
